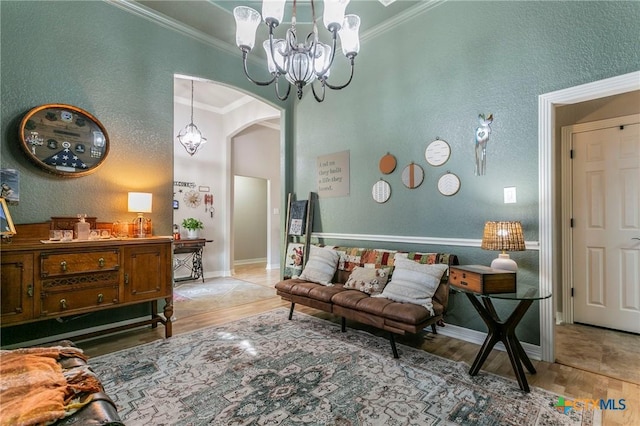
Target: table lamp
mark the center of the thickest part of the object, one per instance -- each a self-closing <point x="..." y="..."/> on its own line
<point x="140" y="202"/>
<point x="503" y="236"/>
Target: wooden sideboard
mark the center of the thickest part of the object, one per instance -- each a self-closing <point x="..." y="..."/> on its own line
<point x="46" y="280"/>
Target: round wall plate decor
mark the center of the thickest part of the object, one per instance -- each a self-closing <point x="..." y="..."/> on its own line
<point x="387" y="163"/>
<point x="412" y="176"/>
<point x="192" y="199"/>
<point x="437" y="152"/>
<point x="381" y="191"/>
<point x="449" y="184"/>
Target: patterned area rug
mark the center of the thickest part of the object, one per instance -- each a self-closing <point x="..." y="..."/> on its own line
<point x="268" y="370"/>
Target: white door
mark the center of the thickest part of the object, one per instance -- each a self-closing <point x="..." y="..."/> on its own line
<point x="606" y="227"/>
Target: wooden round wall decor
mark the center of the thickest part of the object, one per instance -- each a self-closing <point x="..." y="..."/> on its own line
<point x="449" y="184"/>
<point x="412" y="176"/>
<point x="387" y="163"/>
<point x="381" y="191"/>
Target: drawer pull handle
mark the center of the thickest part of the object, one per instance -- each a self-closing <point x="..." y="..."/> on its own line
<point x="101" y="262"/>
<point x="126" y="278"/>
<point x="30" y="290"/>
<point x="63" y="266"/>
<point x="63" y="303"/>
<point x="100" y="298"/>
<point x="464" y="283"/>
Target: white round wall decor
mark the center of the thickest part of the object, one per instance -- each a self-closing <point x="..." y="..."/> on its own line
<point x="449" y="184"/>
<point x="381" y="191"/>
<point x="437" y="152"/>
<point x="412" y="176"/>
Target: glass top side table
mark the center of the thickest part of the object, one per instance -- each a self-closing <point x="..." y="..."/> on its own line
<point x="504" y="331"/>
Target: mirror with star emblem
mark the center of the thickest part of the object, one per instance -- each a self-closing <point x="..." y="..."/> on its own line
<point x="63" y="139"/>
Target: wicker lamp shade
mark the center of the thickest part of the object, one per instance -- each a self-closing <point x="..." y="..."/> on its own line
<point x="503" y="236"/>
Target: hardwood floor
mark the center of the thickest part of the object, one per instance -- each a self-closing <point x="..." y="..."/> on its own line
<point x="615" y="354"/>
<point x="569" y="382"/>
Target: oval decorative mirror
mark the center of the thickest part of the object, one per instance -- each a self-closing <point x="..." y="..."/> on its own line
<point x="63" y="139"/>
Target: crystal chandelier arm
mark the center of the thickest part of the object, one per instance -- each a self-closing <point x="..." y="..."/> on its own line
<point x="286" y="95"/>
<point x="315" y="95"/>
<point x="246" y="72"/>
<point x="325" y="83"/>
<point x="324" y="70"/>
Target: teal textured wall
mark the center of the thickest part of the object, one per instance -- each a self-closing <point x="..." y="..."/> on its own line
<point x="120" y="68"/>
<point x="431" y="77"/>
<point x="428" y="78"/>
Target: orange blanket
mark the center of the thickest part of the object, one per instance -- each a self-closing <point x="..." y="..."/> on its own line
<point x="34" y="389"/>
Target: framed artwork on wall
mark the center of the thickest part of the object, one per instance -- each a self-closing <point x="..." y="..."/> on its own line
<point x="7" y="229"/>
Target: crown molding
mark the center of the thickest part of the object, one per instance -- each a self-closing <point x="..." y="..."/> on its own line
<point x="172" y="24"/>
<point x="400" y="19"/>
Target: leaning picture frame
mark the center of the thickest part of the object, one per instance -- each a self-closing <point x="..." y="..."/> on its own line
<point x="7" y="228"/>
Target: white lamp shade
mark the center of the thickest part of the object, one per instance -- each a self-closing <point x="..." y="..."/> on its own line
<point x="334" y="12"/>
<point x="273" y="9"/>
<point x="349" y="37"/>
<point x="279" y="45"/>
<point x="140" y="202"/>
<point x="247" y="21"/>
<point x="323" y="59"/>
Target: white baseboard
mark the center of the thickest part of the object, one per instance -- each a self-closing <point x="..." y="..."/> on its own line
<point x="477" y="337"/>
<point x="249" y="261"/>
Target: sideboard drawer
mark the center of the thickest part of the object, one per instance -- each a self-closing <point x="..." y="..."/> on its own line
<point x="61" y="303"/>
<point x="60" y="264"/>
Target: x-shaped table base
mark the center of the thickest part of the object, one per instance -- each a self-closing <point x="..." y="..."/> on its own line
<point x="504" y="332"/>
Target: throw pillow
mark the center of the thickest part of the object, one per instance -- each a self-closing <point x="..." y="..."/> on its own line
<point x="321" y="265"/>
<point x="368" y="280"/>
<point x="413" y="282"/>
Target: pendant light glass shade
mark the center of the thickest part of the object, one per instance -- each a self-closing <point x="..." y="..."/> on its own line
<point x="247" y="21"/>
<point x="274" y="10"/>
<point x="190" y="137"/>
<point x="349" y="35"/>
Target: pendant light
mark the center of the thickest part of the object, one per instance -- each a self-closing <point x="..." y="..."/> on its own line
<point x="190" y="137"/>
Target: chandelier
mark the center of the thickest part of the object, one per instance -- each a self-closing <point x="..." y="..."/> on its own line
<point x="300" y="63"/>
<point x="190" y="137"/>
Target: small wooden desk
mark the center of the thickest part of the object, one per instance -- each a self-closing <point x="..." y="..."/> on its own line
<point x="193" y="248"/>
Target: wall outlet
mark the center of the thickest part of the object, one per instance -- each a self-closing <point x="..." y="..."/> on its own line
<point x="510" y="195"/>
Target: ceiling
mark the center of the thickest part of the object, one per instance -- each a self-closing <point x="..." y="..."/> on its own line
<point x="212" y="22"/>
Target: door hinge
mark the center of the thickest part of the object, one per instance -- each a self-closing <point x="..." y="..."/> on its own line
<point x="571" y="291"/>
<point x="571" y="153"/>
<point x="571" y="223"/>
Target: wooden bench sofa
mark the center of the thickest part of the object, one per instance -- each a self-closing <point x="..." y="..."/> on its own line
<point x="340" y="299"/>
